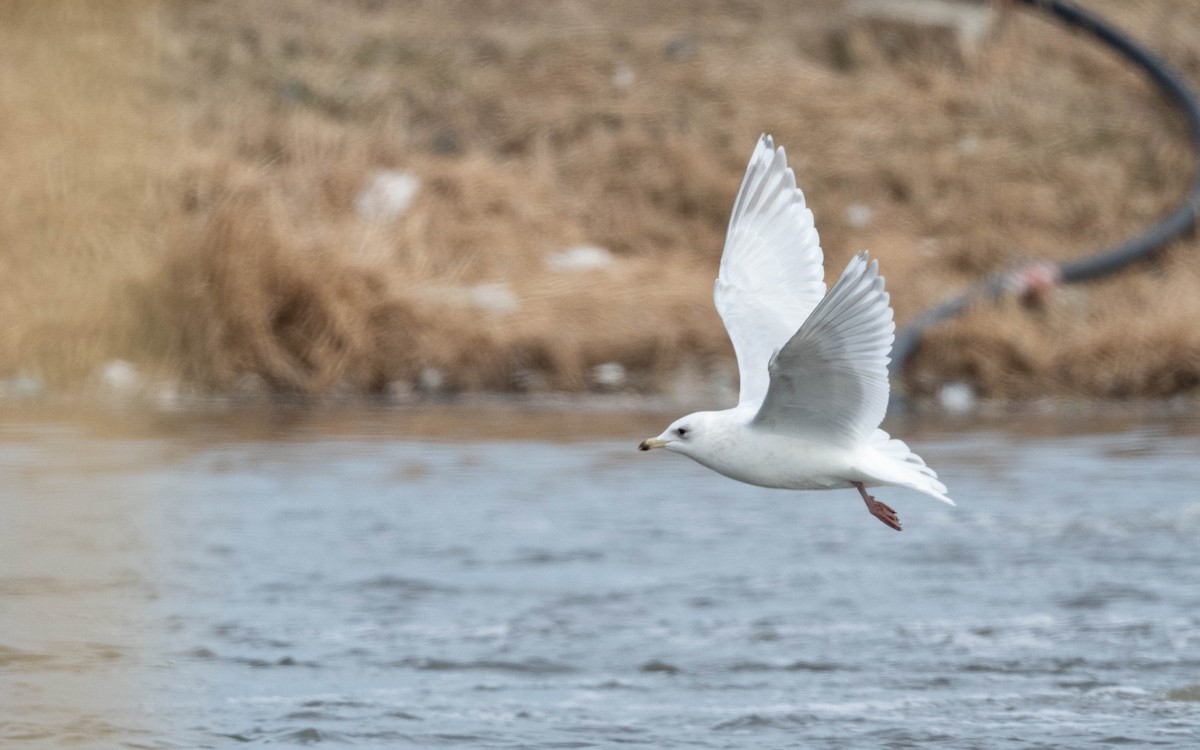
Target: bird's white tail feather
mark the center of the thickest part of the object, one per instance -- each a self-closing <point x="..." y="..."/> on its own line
<point x="901" y="467"/>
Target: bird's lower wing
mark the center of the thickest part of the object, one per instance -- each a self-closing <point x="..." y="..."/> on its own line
<point x="829" y="381"/>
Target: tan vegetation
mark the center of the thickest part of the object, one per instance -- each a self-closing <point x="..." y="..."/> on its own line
<point x="180" y="183"/>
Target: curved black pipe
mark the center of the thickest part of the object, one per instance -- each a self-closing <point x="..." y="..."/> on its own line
<point x="1105" y="261"/>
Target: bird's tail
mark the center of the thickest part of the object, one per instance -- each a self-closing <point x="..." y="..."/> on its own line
<point x="894" y="463"/>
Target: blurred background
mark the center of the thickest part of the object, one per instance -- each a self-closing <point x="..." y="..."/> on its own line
<point x="328" y="329"/>
<point x="373" y="197"/>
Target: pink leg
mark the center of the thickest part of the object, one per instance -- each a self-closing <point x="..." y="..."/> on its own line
<point x="878" y="509"/>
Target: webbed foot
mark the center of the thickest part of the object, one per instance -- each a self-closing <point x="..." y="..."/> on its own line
<point x="878" y="509"/>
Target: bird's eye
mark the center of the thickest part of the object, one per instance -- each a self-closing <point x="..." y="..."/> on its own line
<point x="681" y="431"/>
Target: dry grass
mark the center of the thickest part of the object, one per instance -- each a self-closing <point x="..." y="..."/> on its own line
<point x="81" y="149"/>
<point x="184" y="177"/>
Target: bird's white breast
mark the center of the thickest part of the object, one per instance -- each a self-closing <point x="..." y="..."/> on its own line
<point x="767" y="459"/>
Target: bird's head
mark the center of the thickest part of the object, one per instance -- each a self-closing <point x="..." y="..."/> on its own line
<point x="686" y="435"/>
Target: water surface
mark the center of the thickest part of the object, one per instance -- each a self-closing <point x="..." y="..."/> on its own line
<point x="509" y="578"/>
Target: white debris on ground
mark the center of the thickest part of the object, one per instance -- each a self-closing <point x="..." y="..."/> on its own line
<point x="168" y="396"/>
<point x="530" y="381"/>
<point x="957" y="397"/>
<point x="21" y="385"/>
<point x="610" y="375"/>
<point x="387" y="194"/>
<point x="495" y="297"/>
<point x="695" y="383"/>
<point x="858" y="215"/>
<point x="431" y="380"/>
<point x="399" y="391"/>
<point x="120" y="377"/>
<point x="580" y="258"/>
<point x="623" y="76"/>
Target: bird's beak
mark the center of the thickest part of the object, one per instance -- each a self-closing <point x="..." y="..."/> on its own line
<point x="652" y="443"/>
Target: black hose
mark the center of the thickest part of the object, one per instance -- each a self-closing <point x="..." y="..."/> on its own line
<point x="1105" y="261"/>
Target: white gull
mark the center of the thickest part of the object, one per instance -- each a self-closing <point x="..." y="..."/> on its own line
<point x="813" y="366"/>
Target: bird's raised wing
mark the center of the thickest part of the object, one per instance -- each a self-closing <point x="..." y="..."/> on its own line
<point x="771" y="274"/>
<point x="829" y="382"/>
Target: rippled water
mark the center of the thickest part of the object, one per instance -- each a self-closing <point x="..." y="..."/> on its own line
<point x="531" y="580"/>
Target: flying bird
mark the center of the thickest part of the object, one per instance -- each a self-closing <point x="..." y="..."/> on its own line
<point x="812" y="366"/>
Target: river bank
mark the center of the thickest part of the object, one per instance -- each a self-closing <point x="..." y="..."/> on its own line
<point x="531" y="198"/>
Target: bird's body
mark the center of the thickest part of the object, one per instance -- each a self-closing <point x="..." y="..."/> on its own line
<point x="813" y="366"/>
<point x="733" y="447"/>
<point x="729" y="443"/>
